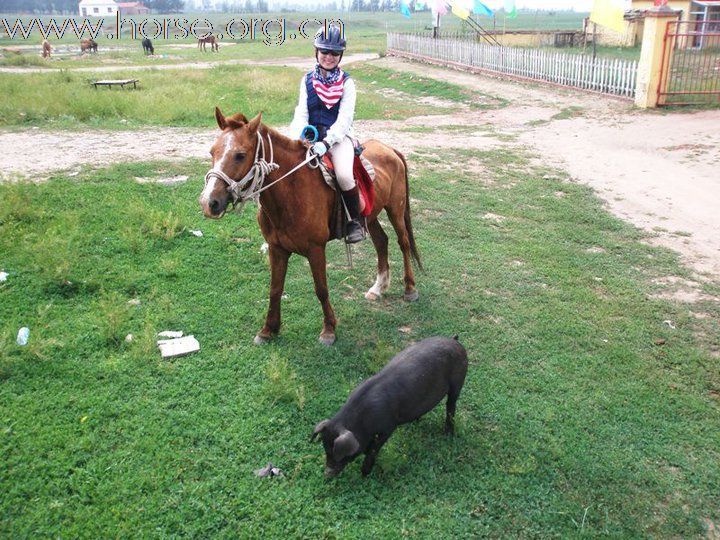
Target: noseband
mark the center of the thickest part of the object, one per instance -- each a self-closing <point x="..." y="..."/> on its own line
<point x="250" y="186"/>
<point x="246" y="188"/>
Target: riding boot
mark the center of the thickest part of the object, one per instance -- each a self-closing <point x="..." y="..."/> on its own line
<point x="355" y="231"/>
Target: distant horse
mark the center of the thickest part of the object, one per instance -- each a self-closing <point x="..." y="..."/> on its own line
<point x="88" y="45"/>
<point x="148" y="46"/>
<point x="214" y="45"/>
<point x="295" y="214"/>
<point x="46" y="48"/>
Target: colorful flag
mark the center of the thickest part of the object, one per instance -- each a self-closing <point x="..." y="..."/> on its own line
<point x="458" y="10"/>
<point x="440" y="7"/>
<point x="609" y="13"/>
<point x="404" y="8"/>
<point x="481" y="9"/>
<point x="510" y="9"/>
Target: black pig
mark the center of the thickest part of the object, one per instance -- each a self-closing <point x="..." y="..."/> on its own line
<point x="410" y="385"/>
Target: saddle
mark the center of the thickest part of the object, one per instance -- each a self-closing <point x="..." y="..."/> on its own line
<point x="364" y="174"/>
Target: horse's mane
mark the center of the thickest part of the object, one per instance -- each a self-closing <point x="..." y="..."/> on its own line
<point x="238" y="120"/>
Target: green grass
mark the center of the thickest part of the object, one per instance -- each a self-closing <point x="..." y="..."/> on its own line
<point x="187" y="98"/>
<point x="573" y="421"/>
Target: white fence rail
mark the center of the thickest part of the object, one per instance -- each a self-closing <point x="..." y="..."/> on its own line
<point x="609" y="76"/>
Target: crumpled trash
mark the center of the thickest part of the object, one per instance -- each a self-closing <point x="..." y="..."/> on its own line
<point x="170" y="333"/>
<point x="178" y="346"/>
<point x="264" y="248"/>
<point x="197" y="233"/>
<point x="670" y="324"/>
<point x="4" y="276"/>
<point x="23" y="336"/>
<point x="268" y="471"/>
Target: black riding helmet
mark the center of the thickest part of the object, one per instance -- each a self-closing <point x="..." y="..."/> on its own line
<point x="332" y="40"/>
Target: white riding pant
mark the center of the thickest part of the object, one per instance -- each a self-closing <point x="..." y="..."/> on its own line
<point x="342" y="155"/>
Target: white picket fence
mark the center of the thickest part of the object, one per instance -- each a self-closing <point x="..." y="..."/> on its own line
<point x="610" y="76"/>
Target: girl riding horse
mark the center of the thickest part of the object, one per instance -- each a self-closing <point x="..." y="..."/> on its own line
<point x="327" y="102"/>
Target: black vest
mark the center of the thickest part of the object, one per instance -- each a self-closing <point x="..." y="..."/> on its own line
<point x="319" y="115"/>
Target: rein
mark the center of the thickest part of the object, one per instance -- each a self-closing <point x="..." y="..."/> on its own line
<point x="250" y="186"/>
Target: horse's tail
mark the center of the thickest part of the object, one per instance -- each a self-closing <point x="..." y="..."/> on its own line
<point x="408" y="221"/>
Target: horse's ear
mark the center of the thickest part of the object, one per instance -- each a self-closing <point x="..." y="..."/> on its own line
<point x="254" y="124"/>
<point x="220" y="118"/>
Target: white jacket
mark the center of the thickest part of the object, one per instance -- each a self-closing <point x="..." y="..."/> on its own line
<point x="342" y="126"/>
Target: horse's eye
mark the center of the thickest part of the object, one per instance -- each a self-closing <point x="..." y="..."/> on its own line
<point x="239" y="156"/>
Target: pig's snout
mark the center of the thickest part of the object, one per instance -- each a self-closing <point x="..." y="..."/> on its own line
<point x="331" y="473"/>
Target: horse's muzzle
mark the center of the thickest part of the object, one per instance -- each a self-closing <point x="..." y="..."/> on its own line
<point x="212" y="207"/>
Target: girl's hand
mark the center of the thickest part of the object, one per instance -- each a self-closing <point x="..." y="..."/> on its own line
<point x="320" y="148"/>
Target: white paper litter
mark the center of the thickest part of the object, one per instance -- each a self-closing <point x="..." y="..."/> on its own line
<point x="178" y="347"/>
<point x="197" y="233"/>
<point x="170" y="333"/>
<point x="4" y="276"/>
<point x="264" y="248"/>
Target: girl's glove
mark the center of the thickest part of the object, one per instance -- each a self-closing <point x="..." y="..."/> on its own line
<point x="319" y="148"/>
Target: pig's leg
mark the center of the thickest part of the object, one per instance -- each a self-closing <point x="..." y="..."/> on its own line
<point x="278" y="268"/>
<point x="316" y="257"/>
<point x="372" y="452"/>
<point x="453" y="394"/>
<point x="380" y="241"/>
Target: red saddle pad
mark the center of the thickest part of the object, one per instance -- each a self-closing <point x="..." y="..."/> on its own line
<point x="363" y="181"/>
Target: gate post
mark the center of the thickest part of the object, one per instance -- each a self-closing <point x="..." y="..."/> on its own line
<point x="654" y="59"/>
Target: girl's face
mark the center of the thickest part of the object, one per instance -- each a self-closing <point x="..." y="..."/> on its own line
<point x="327" y="61"/>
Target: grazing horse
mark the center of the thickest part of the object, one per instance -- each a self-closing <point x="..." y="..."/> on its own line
<point x="46" y="48"/>
<point x="214" y="45"/>
<point x="295" y="214"/>
<point x="148" y="46"/>
<point x="88" y="45"/>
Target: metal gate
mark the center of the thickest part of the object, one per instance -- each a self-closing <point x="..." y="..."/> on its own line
<point x="690" y="72"/>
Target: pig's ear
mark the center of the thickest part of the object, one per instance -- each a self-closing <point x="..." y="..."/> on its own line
<point x="321" y="425"/>
<point x="345" y="445"/>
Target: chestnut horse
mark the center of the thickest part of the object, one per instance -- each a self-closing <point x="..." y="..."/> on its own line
<point x="46" y="49"/>
<point x="89" y="45"/>
<point x="296" y="212"/>
<point x="214" y="46"/>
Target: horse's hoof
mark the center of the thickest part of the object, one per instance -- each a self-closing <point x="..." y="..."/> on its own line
<point x="373" y="297"/>
<point x="327" y="339"/>
<point x="411" y="296"/>
<point x="261" y="340"/>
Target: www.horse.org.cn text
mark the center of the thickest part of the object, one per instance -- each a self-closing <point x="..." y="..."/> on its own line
<point x="272" y="31"/>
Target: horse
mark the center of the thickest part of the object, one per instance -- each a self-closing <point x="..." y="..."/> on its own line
<point x="214" y="45"/>
<point x="148" y="46"/>
<point x="295" y="214"/>
<point x="46" y="48"/>
<point x="88" y="45"/>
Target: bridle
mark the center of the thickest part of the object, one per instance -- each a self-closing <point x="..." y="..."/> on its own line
<point x="250" y="186"/>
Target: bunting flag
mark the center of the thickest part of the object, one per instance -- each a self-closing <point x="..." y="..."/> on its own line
<point x="609" y="13"/>
<point x="440" y="7"/>
<point x="404" y="8"/>
<point x="510" y="9"/>
<point x="481" y="9"/>
<point x="459" y="10"/>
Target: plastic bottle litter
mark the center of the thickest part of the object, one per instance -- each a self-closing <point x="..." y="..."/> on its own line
<point x="23" y="336"/>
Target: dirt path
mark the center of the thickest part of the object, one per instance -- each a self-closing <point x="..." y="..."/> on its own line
<point x="655" y="170"/>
